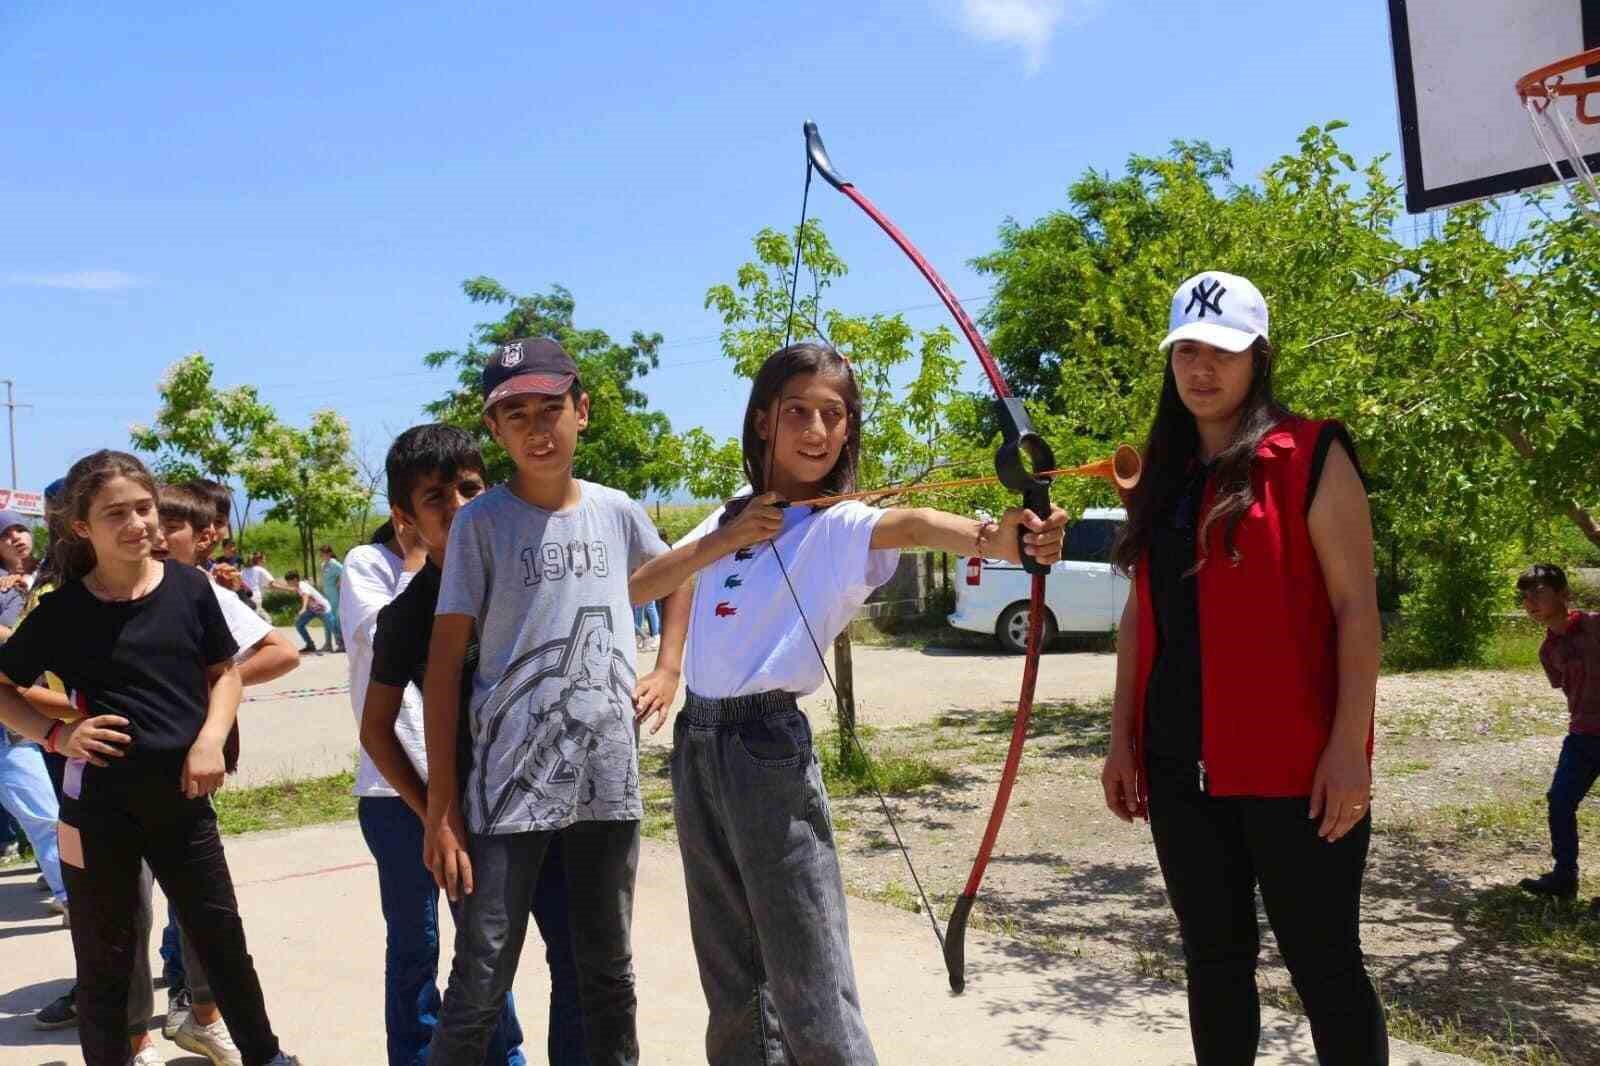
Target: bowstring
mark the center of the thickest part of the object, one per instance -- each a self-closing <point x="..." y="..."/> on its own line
<point x="822" y="660"/>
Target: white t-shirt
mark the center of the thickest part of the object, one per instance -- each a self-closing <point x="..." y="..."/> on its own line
<point x="246" y="626"/>
<point x="258" y="578"/>
<point x="745" y="633"/>
<point x="318" y="600"/>
<point x="373" y="576"/>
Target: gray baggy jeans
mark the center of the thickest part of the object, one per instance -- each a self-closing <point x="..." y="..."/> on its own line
<point x="766" y="899"/>
<point x="602" y="861"/>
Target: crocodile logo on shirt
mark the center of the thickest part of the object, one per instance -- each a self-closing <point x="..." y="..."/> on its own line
<point x="733" y="582"/>
<point x="726" y="609"/>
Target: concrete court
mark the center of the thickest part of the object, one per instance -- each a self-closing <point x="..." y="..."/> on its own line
<point x="310" y="901"/>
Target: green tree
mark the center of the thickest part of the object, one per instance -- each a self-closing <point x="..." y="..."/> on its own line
<point x="202" y="430"/>
<point x="310" y="475"/>
<point x="909" y="381"/>
<point x="626" y="446"/>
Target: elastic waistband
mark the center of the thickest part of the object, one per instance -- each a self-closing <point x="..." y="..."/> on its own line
<point x="703" y="710"/>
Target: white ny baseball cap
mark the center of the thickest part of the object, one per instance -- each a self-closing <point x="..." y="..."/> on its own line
<point x="1222" y="310"/>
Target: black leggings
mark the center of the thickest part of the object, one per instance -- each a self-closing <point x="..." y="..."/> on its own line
<point x="1213" y="854"/>
<point x="123" y="818"/>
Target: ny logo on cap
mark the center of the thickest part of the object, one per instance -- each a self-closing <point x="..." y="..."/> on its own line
<point x="511" y="354"/>
<point x="1210" y="299"/>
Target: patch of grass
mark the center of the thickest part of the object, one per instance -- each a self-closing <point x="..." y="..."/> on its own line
<point x="655" y="789"/>
<point x="1452" y="1036"/>
<point x="286" y="805"/>
<point x="895" y="895"/>
<point x="895" y="775"/>
<point x="1069" y="728"/>
<point x="1406" y="767"/>
<point x="1506" y="821"/>
<point x="1514" y="646"/>
<point x="1556" y="931"/>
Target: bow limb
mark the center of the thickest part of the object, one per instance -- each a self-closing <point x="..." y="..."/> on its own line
<point x="1022" y="454"/>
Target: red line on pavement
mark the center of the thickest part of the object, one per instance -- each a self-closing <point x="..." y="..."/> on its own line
<point x="308" y="873"/>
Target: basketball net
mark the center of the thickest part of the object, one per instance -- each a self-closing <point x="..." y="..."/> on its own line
<point x="1542" y="91"/>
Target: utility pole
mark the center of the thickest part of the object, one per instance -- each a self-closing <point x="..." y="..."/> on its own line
<point x="11" y="420"/>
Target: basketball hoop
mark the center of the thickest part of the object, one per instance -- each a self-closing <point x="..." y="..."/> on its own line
<point x="1541" y="92"/>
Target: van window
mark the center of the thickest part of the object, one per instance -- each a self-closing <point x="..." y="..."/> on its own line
<point x="1090" y="540"/>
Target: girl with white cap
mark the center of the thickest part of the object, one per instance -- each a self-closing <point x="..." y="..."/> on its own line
<point x="1247" y="667"/>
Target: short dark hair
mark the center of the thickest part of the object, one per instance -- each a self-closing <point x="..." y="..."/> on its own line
<point x="227" y="542"/>
<point x="291" y="575"/>
<point x="1549" y="575"/>
<point x="188" y="504"/>
<point x="328" y="548"/>
<point x="221" y="498"/>
<point x="433" y="448"/>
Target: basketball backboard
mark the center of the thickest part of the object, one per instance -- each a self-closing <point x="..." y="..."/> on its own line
<point x="1463" y="132"/>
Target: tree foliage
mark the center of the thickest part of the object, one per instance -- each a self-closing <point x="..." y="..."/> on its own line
<point x="626" y="446"/>
<point x="1467" y="364"/>
<point x="201" y="430"/>
<point x="909" y="381"/>
<point x="310" y="475"/>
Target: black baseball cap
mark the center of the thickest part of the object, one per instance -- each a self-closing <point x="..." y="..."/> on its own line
<point x="532" y="364"/>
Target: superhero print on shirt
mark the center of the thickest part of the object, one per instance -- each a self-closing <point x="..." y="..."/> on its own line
<point x="554" y="741"/>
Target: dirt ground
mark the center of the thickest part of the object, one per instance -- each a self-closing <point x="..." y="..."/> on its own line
<point x="1462" y="763"/>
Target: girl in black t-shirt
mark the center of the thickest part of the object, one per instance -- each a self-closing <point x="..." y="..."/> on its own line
<point x="145" y="653"/>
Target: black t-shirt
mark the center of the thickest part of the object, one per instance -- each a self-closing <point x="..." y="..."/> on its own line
<point x="1172" y="696"/>
<point x="400" y="651"/>
<point x="145" y="659"/>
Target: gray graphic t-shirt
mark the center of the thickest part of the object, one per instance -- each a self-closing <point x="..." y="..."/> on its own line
<point x="552" y="702"/>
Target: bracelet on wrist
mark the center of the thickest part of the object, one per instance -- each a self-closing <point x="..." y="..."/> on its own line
<point x="50" y="737"/>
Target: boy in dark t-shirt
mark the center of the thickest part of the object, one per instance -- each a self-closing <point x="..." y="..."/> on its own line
<point x="433" y="471"/>
<point x="1570" y="656"/>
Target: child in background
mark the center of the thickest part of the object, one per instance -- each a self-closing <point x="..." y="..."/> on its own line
<point x="313" y="605"/>
<point x="26" y="794"/>
<point x="188" y="529"/>
<point x="766" y="898"/>
<point x="222" y="507"/>
<point x="1570" y="656"/>
<point x="332" y="629"/>
<point x="433" y="470"/>
<point x="538" y="570"/>
<point x="144" y="650"/>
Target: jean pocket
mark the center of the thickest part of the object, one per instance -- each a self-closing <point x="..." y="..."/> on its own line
<point x="780" y="741"/>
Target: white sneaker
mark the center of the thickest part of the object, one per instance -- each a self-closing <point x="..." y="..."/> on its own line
<point x="212" y="1041"/>
<point x="149" y="1056"/>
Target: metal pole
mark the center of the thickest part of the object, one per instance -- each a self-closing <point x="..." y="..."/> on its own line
<point x="11" y="419"/>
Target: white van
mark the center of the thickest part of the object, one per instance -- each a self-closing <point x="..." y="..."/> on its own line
<point x="1083" y="595"/>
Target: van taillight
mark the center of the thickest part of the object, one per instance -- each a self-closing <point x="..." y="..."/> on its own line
<point x="974" y="570"/>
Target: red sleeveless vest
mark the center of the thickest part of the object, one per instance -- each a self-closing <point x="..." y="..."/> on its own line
<point x="1268" y="644"/>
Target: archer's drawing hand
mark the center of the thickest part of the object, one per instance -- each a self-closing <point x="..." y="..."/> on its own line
<point x="760" y="520"/>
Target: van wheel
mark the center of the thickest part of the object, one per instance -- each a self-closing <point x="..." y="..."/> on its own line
<point x="1012" y="628"/>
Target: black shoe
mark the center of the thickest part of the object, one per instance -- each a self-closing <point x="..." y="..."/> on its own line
<point x="59" y="1014"/>
<point x="308" y="649"/>
<point x="1594" y="909"/>
<point x="1554" y="885"/>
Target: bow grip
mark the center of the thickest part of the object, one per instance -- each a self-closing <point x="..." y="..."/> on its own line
<point x="1021" y="453"/>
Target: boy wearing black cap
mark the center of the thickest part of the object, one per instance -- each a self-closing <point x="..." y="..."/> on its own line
<point x="539" y="566"/>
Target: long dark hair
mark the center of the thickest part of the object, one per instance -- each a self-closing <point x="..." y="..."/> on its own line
<point x="1172" y="447"/>
<point x="74" y="554"/>
<point x="807" y="357"/>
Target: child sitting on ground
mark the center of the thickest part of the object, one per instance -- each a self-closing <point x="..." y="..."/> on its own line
<point x="1570" y="655"/>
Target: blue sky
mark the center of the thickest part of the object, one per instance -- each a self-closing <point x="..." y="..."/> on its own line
<point x="298" y="190"/>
